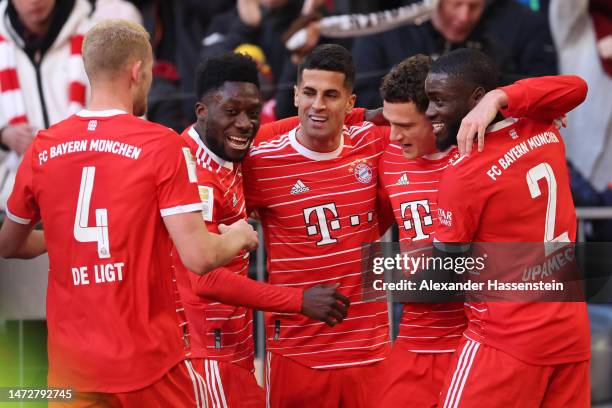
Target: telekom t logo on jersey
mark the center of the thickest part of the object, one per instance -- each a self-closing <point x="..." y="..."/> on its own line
<point x="323" y="219"/>
<point x="318" y="222"/>
<point x="416" y="222"/>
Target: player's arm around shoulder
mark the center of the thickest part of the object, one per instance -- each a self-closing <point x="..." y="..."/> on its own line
<point x="546" y="98"/>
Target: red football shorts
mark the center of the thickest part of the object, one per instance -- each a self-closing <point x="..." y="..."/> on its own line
<point x="482" y="376"/>
<point x="229" y="385"/>
<point x="180" y="387"/>
<point x="290" y="384"/>
<point x="413" y="379"/>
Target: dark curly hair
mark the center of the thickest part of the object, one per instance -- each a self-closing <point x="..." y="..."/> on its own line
<point x="330" y="57"/>
<point x="231" y="67"/>
<point x="406" y="82"/>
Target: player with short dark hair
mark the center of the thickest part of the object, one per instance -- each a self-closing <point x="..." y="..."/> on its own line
<point x="127" y="193"/>
<point x="218" y="305"/>
<point x="315" y="188"/>
<point x="330" y="57"/>
<point x="544" y="348"/>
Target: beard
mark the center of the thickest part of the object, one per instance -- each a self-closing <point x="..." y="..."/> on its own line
<point x="443" y="143"/>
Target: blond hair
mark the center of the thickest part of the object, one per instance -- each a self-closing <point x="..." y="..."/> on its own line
<point x="111" y="45"/>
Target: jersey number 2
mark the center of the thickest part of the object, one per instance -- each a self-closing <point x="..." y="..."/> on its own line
<point x="544" y="171"/>
<point x="82" y="231"/>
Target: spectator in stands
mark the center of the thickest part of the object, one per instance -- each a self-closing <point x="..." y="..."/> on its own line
<point x="176" y="29"/>
<point x="107" y="9"/>
<point x="582" y="31"/>
<point x="43" y="80"/>
<point x="263" y="22"/>
<point x="517" y="38"/>
<point x="259" y="22"/>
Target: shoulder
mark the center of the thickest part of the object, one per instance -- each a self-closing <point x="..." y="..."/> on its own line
<point x="271" y="145"/>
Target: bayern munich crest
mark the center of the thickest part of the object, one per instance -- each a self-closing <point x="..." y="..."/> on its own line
<point x="362" y="172"/>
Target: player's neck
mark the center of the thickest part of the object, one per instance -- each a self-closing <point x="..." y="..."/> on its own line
<point x="319" y="145"/>
<point x="105" y="100"/>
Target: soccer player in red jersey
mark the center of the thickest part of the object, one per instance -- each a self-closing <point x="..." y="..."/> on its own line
<point x="523" y="354"/>
<point x="315" y="188"/>
<point x="218" y="305"/>
<point x="114" y="192"/>
<point x="409" y="171"/>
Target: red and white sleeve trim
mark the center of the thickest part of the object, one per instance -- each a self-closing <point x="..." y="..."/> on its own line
<point x="180" y="209"/>
<point x="18" y="220"/>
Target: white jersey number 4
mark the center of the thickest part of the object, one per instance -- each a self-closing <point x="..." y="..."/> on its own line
<point x="544" y="171"/>
<point x="82" y="231"/>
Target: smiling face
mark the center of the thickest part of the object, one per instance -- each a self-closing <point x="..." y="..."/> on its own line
<point x="450" y="99"/>
<point x="323" y="101"/>
<point x="229" y="119"/>
<point x="410" y="129"/>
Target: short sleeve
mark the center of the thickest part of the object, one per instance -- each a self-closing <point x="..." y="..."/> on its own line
<point x="22" y="206"/>
<point x="176" y="180"/>
<point x="459" y="208"/>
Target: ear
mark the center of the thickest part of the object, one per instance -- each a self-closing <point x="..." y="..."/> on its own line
<point x="201" y="111"/>
<point x="476" y="96"/>
<point x="296" y="92"/>
<point x="351" y="103"/>
<point x="136" y="71"/>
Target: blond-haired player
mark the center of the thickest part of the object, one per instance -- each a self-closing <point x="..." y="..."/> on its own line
<point x="113" y="192"/>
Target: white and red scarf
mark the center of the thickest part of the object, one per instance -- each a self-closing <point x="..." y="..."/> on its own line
<point x="11" y="97"/>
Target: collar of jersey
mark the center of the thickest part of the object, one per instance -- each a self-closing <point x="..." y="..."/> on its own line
<point x="501" y="124"/>
<point x="196" y="137"/>
<point x="438" y="155"/>
<point x="85" y="113"/>
<point x="311" y="154"/>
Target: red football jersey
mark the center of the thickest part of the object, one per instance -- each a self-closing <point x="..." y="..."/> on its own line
<point x="220" y="331"/>
<point x="101" y="183"/>
<point x="217" y="331"/>
<point x="509" y="193"/>
<point x="412" y="188"/>
<point x="317" y="209"/>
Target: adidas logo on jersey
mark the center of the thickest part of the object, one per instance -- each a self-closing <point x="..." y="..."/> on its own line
<point x="299" y="187"/>
<point x="402" y="181"/>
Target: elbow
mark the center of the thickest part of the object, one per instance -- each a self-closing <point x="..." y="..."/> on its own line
<point x="199" y="264"/>
<point x="580" y="88"/>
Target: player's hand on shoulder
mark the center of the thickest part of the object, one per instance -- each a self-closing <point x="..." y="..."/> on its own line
<point x="325" y="303"/>
<point x="560" y="122"/>
<point x="475" y="123"/>
<point x="243" y="230"/>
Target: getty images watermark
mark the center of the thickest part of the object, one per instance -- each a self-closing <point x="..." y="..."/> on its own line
<point x="512" y="272"/>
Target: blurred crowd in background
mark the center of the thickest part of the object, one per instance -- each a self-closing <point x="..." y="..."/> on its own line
<point x="42" y="82"/>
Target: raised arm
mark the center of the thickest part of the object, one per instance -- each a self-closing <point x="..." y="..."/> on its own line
<point x="541" y="98"/>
